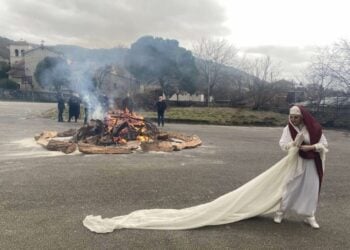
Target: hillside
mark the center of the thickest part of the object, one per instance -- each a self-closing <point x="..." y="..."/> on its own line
<point x="4" y="51"/>
<point x="97" y="56"/>
<point x="75" y="53"/>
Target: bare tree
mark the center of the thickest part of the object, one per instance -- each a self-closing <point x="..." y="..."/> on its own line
<point x="101" y="74"/>
<point x="212" y="56"/>
<point x="263" y="72"/>
<point x="329" y="68"/>
<point x="319" y="75"/>
<point x="339" y="67"/>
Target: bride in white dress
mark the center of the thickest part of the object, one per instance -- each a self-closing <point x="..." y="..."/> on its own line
<point x="275" y="190"/>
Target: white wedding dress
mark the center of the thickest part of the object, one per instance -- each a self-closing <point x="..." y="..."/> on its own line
<point x="261" y="195"/>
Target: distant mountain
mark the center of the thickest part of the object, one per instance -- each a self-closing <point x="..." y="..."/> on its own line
<point x="96" y="56"/>
<point x="75" y="53"/>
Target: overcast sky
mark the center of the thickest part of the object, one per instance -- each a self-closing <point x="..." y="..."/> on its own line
<point x="286" y="30"/>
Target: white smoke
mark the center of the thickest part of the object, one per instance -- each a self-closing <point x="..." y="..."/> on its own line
<point x="81" y="82"/>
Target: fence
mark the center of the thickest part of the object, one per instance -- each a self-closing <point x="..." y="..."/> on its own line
<point x="29" y="96"/>
<point x="333" y="116"/>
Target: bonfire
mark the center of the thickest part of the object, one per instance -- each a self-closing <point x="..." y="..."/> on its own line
<point x="120" y="132"/>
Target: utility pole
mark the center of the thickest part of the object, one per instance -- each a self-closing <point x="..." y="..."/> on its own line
<point x="208" y="99"/>
<point x="295" y="92"/>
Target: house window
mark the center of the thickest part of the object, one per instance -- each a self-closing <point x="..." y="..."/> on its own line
<point x="22" y="52"/>
<point x="16" y="52"/>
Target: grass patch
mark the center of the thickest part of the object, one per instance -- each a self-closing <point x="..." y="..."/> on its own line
<point x="221" y="116"/>
<point x="205" y="115"/>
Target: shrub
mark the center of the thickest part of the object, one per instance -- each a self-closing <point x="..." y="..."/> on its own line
<point x="8" y="84"/>
<point x="4" y="68"/>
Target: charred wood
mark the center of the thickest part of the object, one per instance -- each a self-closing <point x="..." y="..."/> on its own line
<point x="63" y="146"/>
<point x="70" y="132"/>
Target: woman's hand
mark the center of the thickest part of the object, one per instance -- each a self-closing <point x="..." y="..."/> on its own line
<point x="298" y="140"/>
<point x="307" y="148"/>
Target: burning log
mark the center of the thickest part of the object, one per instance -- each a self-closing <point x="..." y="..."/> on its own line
<point x="163" y="136"/>
<point x="94" y="129"/>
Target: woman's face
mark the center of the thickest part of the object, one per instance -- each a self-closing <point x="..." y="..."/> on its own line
<point x="296" y="119"/>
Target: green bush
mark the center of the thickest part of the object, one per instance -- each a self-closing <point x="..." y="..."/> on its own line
<point x="8" y="84"/>
<point x="4" y="68"/>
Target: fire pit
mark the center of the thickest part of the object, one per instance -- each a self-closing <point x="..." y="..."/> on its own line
<point x="121" y="132"/>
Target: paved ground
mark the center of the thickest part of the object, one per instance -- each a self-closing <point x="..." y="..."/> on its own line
<point x="44" y="197"/>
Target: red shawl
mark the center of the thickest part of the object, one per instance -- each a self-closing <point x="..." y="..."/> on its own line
<point x="315" y="132"/>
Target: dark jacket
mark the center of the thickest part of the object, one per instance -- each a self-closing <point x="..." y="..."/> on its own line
<point x="60" y="104"/>
<point x="161" y="106"/>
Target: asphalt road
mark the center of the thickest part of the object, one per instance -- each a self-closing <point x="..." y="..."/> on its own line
<point x="44" y="196"/>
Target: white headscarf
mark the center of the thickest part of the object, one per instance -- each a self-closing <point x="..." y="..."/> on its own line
<point x="294" y="111"/>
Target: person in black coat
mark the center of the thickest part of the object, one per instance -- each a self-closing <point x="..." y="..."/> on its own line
<point x="161" y="107"/>
<point x="74" y="108"/>
<point x="60" y="107"/>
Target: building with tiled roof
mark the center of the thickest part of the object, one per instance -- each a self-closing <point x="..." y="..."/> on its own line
<point x="33" y="57"/>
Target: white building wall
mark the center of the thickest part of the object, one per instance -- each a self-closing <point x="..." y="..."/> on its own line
<point x="32" y="59"/>
<point x="188" y="97"/>
<point x="22" y="49"/>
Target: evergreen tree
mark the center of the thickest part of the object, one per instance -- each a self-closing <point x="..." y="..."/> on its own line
<point x="162" y="60"/>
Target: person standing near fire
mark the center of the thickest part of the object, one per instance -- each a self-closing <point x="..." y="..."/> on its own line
<point x="161" y="107"/>
<point x="60" y="107"/>
<point x="86" y="111"/>
<point x="74" y="107"/>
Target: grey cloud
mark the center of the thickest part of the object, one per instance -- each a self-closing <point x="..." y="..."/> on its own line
<point x="291" y="54"/>
<point x="106" y="22"/>
<point x="293" y="60"/>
